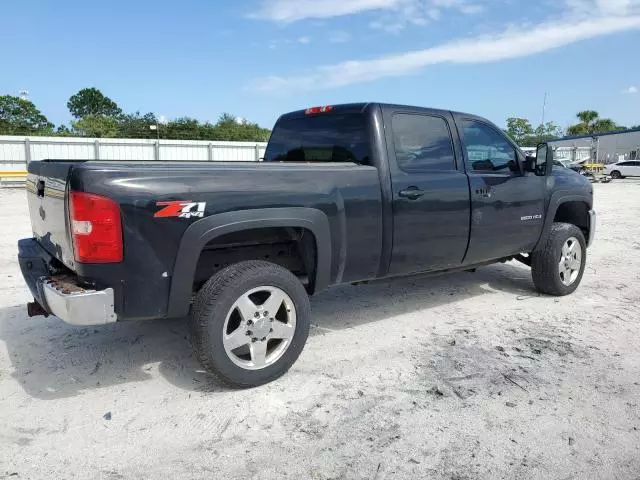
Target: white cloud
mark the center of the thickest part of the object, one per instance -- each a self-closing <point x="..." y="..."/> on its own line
<point x="605" y="7"/>
<point x="294" y="10"/>
<point x="514" y="42"/>
<point x="409" y="11"/>
<point x="632" y="90"/>
<point x="304" y="40"/>
<point x="420" y="13"/>
<point x="339" y="37"/>
<point x="288" y="11"/>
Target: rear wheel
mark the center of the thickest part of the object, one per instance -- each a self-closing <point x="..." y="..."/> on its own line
<point x="557" y="268"/>
<point x="250" y="322"/>
<point x="616" y="174"/>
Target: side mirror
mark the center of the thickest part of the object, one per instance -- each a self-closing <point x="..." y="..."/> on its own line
<point x="544" y="159"/>
<point x="529" y="164"/>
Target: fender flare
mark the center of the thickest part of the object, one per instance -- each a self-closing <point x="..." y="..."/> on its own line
<point x="199" y="233"/>
<point x="557" y="199"/>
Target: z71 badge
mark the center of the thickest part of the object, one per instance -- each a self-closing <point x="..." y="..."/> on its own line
<point x="181" y="209"/>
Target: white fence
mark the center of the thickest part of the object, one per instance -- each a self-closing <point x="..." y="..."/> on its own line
<point x="16" y="152"/>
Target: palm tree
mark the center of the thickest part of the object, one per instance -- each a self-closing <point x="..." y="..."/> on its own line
<point x="590" y="123"/>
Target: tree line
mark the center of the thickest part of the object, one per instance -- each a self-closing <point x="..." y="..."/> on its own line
<point x="589" y="123"/>
<point x="96" y="115"/>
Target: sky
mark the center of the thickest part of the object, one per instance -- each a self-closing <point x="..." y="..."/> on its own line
<point x="260" y="58"/>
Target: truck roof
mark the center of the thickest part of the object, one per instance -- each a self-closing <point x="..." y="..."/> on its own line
<point x="362" y="107"/>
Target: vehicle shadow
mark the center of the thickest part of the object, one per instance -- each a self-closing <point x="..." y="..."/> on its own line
<point x="53" y="360"/>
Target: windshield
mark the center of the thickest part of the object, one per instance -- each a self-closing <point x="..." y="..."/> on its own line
<point x="319" y="138"/>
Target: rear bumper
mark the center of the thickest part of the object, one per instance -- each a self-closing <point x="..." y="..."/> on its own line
<point x="78" y="307"/>
<point x="60" y="294"/>
<point x="592" y="227"/>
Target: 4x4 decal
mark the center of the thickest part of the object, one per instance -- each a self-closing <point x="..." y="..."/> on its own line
<point x="181" y="209"/>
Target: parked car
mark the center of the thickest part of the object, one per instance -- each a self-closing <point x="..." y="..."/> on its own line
<point x="345" y="194"/>
<point x="562" y="162"/>
<point x="628" y="168"/>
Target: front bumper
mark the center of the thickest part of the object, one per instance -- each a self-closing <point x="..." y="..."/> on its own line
<point x="59" y="293"/>
<point x="592" y="227"/>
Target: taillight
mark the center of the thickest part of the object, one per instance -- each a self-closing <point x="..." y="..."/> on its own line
<point x="314" y="110"/>
<point x="96" y="228"/>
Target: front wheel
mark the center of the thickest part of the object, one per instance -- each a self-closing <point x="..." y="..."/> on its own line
<point x="558" y="266"/>
<point x="250" y="322"/>
<point x="616" y="174"/>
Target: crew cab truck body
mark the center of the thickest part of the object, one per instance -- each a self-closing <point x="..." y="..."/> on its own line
<point x="345" y="194"/>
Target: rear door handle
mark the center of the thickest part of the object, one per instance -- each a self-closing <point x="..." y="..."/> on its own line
<point x="411" y="193"/>
<point x="40" y="188"/>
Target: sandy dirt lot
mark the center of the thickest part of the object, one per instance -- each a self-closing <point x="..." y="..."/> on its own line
<point x="466" y="376"/>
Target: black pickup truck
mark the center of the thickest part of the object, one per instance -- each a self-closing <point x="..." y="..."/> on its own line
<point x="345" y="194"/>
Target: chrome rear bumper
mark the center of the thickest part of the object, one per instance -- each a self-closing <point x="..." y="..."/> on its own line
<point x="61" y="295"/>
<point x="78" y="306"/>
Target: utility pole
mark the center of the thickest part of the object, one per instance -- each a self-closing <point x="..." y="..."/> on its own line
<point x="544" y="108"/>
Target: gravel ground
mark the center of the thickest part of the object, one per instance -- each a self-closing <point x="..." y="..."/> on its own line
<point x="466" y="376"/>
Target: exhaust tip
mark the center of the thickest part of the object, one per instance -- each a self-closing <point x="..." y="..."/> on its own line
<point x="34" y="309"/>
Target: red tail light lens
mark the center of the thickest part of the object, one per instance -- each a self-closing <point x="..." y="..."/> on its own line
<point x="96" y="228"/>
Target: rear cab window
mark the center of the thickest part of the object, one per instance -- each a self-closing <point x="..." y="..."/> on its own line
<point x="325" y="137"/>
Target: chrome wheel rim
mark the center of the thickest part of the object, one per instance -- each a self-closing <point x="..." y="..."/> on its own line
<point x="570" y="261"/>
<point x="259" y="327"/>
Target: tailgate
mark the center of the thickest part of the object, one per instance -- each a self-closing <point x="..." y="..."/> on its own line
<point x="46" y="193"/>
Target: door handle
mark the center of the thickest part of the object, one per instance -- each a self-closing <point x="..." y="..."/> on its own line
<point x="40" y="188"/>
<point x="411" y="193"/>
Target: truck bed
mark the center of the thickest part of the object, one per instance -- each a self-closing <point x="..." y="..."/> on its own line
<point x="349" y="195"/>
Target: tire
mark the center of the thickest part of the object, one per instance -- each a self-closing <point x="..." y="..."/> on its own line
<point x="616" y="174"/>
<point x="549" y="275"/>
<point x="218" y="323"/>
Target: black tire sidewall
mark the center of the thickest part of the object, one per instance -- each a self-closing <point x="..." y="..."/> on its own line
<point x="216" y="310"/>
<point x="561" y="232"/>
<point x="616" y="174"/>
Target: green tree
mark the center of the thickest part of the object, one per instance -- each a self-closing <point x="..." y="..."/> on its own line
<point x="64" y="131"/>
<point x="184" y="128"/>
<point x="518" y="129"/>
<point x="134" y="125"/>
<point x="96" y="126"/>
<point x="228" y="128"/>
<point x="590" y="123"/>
<point x="549" y="129"/>
<point x="91" y="101"/>
<point x="22" y="117"/>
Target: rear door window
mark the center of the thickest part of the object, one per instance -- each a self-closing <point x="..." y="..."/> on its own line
<point x="422" y="143"/>
<point x="320" y="138"/>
